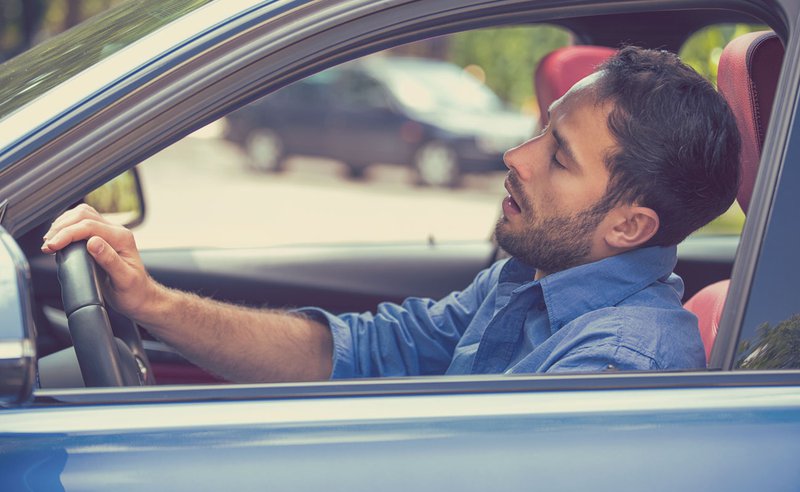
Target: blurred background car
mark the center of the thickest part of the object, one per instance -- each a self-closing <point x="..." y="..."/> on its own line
<point x="428" y="114"/>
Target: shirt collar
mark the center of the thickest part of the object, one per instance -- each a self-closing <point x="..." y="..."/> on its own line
<point x="585" y="288"/>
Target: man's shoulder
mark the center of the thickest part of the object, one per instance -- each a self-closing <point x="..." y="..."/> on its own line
<point x="665" y="333"/>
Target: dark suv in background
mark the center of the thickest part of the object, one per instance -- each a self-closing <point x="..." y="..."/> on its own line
<point x="427" y="114"/>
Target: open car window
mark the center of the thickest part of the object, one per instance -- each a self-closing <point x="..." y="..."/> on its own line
<point x="335" y="160"/>
<point x="403" y="146"/>
<point x="363" y="183"/>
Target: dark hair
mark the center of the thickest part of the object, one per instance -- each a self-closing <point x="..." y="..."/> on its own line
<point x="677" y="141"/>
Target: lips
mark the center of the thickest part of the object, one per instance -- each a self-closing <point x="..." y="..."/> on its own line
<point x="510" y="206"/>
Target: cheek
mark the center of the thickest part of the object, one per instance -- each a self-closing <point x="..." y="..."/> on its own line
<point x="544" y="201"/>
<point x="565" y="194"/>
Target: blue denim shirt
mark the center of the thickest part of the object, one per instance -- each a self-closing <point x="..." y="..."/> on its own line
<point x="623" y="312"/>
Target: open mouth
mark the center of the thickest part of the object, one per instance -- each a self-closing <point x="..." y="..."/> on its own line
<point x="510" y="206"/>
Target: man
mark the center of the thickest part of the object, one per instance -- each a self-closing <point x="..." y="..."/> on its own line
<point x="636" y="157"/>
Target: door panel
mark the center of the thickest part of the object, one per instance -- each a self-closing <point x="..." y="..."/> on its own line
<point x="334" y="278"/>
<point x="623" y="440"/>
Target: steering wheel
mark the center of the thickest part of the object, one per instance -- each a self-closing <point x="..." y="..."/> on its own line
<point x="104" y="359"/>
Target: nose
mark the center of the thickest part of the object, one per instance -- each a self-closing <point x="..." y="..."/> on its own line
<point x="522" y="158"/>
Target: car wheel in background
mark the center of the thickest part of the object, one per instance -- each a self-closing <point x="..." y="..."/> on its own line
<point x="265" y="152"/>
<point x="356" y="170"/>
<point x="436" y="164"/>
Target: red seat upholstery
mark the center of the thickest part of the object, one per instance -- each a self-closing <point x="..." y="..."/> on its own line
<point x="561" y="69"/>
<point x="707" y="306"/>
<point x="747" y="77"/>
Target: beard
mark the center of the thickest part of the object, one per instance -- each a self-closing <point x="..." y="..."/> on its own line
<point x="550" y="244"/>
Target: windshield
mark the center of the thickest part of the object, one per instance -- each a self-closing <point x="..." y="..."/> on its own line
<point x="432" y="86"/>
<point x="38" y="70"/>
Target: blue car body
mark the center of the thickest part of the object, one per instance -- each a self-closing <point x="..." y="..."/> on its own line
<point x="620" y="439"/>
<point x="723" y="429"/>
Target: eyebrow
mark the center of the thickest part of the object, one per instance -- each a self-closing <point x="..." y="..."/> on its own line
<point x="564" y="146"/>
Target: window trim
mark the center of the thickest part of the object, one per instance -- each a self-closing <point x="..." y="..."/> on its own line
<point x="417" y="386"/>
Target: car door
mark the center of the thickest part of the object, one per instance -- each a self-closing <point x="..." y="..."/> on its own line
<point x="658" y="432"/>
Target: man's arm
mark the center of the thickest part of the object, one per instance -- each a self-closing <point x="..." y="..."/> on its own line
<point x="238" y="343"/>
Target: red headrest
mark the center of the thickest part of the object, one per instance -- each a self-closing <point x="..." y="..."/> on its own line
<point x="562" y="68"/>
<point x="748" y="75"/>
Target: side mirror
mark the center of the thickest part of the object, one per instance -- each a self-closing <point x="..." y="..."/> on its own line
<point x="17" y="336"/>
<point x="121" y="200"/>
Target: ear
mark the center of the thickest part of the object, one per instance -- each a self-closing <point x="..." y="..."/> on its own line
<point x="632" y="226"/>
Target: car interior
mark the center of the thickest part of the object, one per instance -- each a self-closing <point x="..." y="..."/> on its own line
<point x="748" y="80"/>
<point x="358" y="277"/>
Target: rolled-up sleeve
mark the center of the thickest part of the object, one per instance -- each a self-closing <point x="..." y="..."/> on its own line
<point x="417" y="337"/>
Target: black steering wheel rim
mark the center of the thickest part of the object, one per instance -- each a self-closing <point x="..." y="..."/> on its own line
<point x="104" y="360"/>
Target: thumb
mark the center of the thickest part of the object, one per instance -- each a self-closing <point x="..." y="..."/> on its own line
<point x="109" y="260"/>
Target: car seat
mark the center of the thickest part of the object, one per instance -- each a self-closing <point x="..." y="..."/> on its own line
<point x="561" y="69"/>
<point x="747" y="76"/>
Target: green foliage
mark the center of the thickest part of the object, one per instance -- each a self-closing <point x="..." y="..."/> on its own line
<point x="730" y="223"/>
<point x="508" y="56"/>
<point x="702" y="52"/>
<point x="703" y="49"/>
<point x="777" y="347"/>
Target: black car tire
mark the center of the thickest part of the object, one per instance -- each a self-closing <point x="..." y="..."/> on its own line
<point x="265" y="151"/>
<point x="436" y="164"/>
<point x="356" y="171"/>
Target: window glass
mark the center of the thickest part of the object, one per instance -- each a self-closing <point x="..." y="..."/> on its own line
<point x="402" y="146"/>
<point x="25" y="77"/>
<point x="770" y="337"/>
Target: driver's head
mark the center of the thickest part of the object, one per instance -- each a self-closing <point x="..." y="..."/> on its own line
<point x="643" y="152"/>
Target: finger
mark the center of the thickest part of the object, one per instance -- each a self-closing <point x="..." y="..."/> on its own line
<point x="72" y="216"/>
<point x="118" y="237"/>
<point x="121" y="274"/>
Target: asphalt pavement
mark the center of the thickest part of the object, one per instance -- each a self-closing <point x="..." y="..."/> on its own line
<point x="199" y="192"/>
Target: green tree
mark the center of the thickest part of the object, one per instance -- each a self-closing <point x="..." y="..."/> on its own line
<point x="24" y="23"/>
<point x="777" y="347"/>
<point x="508" y="57"/>
<point x="704" y="48"/>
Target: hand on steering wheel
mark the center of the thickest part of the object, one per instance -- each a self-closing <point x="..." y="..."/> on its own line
<point x="108" y="356"/>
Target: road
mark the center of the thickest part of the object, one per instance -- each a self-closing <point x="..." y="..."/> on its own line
<point x="198" y="192"/>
